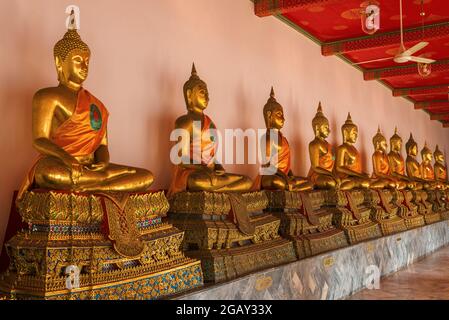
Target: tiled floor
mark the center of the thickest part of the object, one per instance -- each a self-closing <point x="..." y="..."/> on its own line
<point x="426" y="279"/>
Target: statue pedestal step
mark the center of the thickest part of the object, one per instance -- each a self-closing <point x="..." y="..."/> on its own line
<point x="227" y="264"/>
<point x="414" y="222"/>
<point x="392" y="225"/>
<point x="445" y="215"/>
<point x="66" y="253"/>
<point x="354" y="216"/>
<point x="212" y="235"/>
<point x="432" y="217"/>
<point x="306" y="219"/>
<point x="385" y="210"/>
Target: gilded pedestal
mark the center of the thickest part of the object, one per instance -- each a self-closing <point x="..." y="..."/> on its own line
<point x="408" y="210"/>
<point x="425" y="207"/>
<point x="354" y="216"/>
<point x="385" y="211"/>
<point x="116" y="245"/>
<point x="306" y="219"/>
<point x="212" y="236"/>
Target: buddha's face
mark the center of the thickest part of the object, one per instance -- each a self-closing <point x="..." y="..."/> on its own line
<point x="396" y="145"/>
<point x="439" y="157"/>
<point x="324" y="130"/>
<point x="351" y="134"/>
<point x="427" y="156"/>
<point x="381" y="145"/>
<point x="413" y="150"/>
<point x="75" y="68"/>
<point x="198" y="97"/>
<point x="276" y="118"/>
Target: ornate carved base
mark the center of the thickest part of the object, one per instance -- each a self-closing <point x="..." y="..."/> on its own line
<point x="222" y="265"/>
<point x="408" y="210"/>
<point x="212" y="234"/>
<point x="66" y="253"/>
<point x="425" y="208"/>
<point x="445" y="215"/>
<point x="354" y="216"/>
<point x="306" y="219"/>
<point x="385" y="211"/>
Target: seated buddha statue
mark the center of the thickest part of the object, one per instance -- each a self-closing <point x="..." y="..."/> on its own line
<point x="413" y="167"/>
<point x="322" y="159"/>
<point x="381" y="164"/>
<point x="200" y="171"/>
<point x="427" y="170"/>
<point x="70" y="132"/>
<point x="278" y="152"/>
<point x="397" y="162"/>
<point x="440" y="168"/>
<point x="349" y="164"/>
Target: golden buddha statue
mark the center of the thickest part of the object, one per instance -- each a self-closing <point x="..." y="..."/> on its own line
<point x="283" y="178"/>
<point x="349" y="164"/>
<point x="70" y="132"/>
<point x="381" y="165"/>
<point x="206" y="174"/>
<point x="413" y="167"/>
<point x="397" y="162"/>
<point x="322" y="159"/>
<point x="440" y="168"/>
<point x="427" y="171"/>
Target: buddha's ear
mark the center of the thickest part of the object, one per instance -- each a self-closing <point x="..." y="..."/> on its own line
<point x="58" y="64"/>
<point x="189" y="96"/>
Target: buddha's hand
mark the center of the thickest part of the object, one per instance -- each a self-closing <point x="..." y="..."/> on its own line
<point x="212" y="176"/>
<point x="219" y="170"/>
<point x="99" y="166"/>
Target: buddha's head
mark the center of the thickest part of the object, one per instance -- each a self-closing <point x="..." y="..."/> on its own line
<point x="196" y="94"/>
<point x="396" y="142"/>
<point x="426" y="154"/>
<point x="72" y="57"/>
<point x="379" y="141"/>
<point x="411" y="146"/>
<point x="439" y="156"/>
<point x="320" y="124"/>
<point x="273" y="113"/>
<point x="350" y="131"/>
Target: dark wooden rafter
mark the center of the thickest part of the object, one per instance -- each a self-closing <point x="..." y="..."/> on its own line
<point x="410" y="69"/>
<point x="434" y="104"/>
<point x="265" y="8"/>
<point x="418" y="91"/>
<point x="440" y="116"/>
<point x="380" y="40"/>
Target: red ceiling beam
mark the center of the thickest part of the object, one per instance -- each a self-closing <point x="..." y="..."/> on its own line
<point x="434" y="104"/>
<point x="380" y="40"/>
<point x="418" y="91"/>
<point x="265" y="8"/>
<point x="385" y="73"/>
<point x="439" y="116"/>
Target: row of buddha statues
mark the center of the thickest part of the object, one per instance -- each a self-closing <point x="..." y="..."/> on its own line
<point x="69" y="131"/>
<point x="101" y="218"/>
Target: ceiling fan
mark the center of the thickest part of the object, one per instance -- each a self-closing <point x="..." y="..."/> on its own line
<point x="405" y="55"/>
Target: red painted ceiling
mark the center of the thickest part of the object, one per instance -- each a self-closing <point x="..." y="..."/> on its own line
<point x="333" y="21"/>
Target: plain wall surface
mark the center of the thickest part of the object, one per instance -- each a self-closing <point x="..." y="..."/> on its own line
<point x="142" y="51"/>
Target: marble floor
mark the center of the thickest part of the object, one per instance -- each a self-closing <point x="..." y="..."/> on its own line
<point x="424" y="280"/>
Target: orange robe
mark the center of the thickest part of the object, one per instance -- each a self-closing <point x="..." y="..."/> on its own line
<point x="384" y="166"/>
<point x="356" y="166"/>
<point x="326" y="162"/>
<point x="442" y="174"/>
<point x="204" y="155"/>
<point x="283" y="163"/>
<point x="427" y="171"/>
<point x="80" y="135"/>
<point x="400" y="169"/>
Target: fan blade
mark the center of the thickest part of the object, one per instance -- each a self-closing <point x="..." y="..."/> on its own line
<point x="415" y="48"/>
<point x="376" y="60"/>
<point x="421" y="60"/>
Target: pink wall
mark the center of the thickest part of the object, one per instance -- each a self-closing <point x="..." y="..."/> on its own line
<point x="142" y="53"/>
